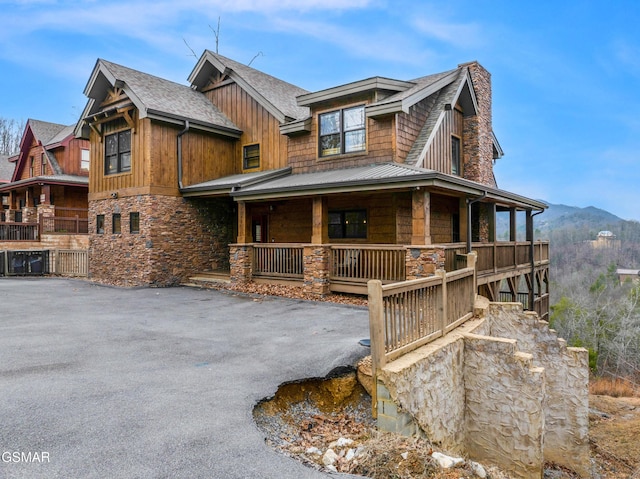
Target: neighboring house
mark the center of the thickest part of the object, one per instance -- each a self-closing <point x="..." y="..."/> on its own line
<point x="625" y="275"/>
<point x="49" y="183"/>
<point x="606" y="239"/>
<point x="6" y="173"/>
<point x="241" y="171"/>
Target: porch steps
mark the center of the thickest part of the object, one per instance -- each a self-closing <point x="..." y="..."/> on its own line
<point x="206" y="277"/>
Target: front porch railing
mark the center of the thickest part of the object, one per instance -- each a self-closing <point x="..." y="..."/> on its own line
<point x="359" y="264"/>
<point x="498" y="256"/>
<point x="278" y="261"/>
<point x="19" y="231"/>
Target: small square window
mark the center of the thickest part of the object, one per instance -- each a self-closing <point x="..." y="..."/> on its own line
<point x="116" y="225"/>
<point x="100" y="224"/>
<point x="251" y="156"/>
<point x="134" y="223"/>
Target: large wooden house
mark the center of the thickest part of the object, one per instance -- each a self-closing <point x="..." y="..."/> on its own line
<point x="243" y="172"/>
<point x="47" y="191"/>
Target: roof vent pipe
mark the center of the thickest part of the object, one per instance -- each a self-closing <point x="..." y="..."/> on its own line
<point x="186" y="129"/>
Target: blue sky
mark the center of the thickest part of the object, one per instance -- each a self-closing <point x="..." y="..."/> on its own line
<point x="566" y="74"/>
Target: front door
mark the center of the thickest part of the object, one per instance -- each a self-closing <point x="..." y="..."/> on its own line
<point x="259" y="229"/>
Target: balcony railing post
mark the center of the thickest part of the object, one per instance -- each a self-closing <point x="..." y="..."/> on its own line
<point x="377" y="340"/>
<point x="442" y="309"/>
<point x="472" y="260"/>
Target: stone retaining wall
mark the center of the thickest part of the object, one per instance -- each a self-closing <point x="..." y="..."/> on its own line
<point x="515" y="400"/>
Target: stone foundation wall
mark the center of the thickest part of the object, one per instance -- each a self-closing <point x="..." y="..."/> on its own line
<point x="502" y="389"/>
<point x="175" y="240"/>
<point x="504" y="414"/>
<point x="567" y="382"/>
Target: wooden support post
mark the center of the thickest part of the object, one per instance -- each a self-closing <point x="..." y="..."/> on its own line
<point x="320" y="222"/>
<point x="512" y="225"/>
<point x="472" y="259"/>
<point x="244" y="224"/>
<point x="420" y="217"/>
<point x="377" y="340"/>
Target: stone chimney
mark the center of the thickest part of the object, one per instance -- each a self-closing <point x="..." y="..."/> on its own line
<point x="478" y="130"/>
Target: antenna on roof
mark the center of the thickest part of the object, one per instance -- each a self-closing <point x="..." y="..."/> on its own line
<point x="254" y="57"/>
<point x="192" y="52"/>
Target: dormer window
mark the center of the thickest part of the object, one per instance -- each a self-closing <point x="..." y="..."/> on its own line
<point x="342" y="131"/>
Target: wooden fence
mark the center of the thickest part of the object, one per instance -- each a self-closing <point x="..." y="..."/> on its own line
<point x="71" y="262"/>
<point x="358" y="264"/>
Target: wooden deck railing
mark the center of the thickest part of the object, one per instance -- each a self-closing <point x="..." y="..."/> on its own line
<point x="278" y="261"/>
<point x="359" y="264"/>
<point x="498" y="256"/>
<point x="19" y="231"/>
<point x="64" y="225"/>
<point x="406" y="315"/>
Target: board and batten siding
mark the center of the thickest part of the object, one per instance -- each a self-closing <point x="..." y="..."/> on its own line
<point x="257" y="124"/>
<point x="154" y="160"/>
<point x="438" y="156"/>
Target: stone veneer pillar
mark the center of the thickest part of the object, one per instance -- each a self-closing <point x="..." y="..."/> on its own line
<point x="316" y="269"/>
<point x="240" y="256"/>
<point x="478" y="130"/>
<point x="421" y="262"/>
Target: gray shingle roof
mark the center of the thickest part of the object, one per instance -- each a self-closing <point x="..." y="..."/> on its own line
<point x="279" y="93"/>
<point x="61" y="135"/>
<point x="164" y="97"/>
<point x="45" y="131"/>
<point x="444" y="96"/>
<point x="6" y="168"/>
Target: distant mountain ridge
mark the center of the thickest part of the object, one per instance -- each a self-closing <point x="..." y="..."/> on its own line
<point x="563" y="216"/>
<point x="586" y="221"/>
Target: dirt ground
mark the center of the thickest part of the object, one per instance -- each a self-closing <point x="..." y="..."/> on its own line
<point x="614" y="433"/>
<point x="315" y="414"/>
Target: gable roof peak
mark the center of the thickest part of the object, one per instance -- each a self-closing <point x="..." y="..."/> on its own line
<point x="277" y="96"/>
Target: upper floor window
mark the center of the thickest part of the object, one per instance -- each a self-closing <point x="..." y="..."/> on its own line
<point x="31" y="167"/>
<point x="43" y="164"/>
<point x="455" y="155"/>
<point x="342" y="131"/>
<point x="251" y="156"/>
<point x="84" y="160"/>
<point x="117" y="152"/>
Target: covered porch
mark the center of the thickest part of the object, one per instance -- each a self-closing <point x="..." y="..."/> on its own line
<point x="333" y="231"/>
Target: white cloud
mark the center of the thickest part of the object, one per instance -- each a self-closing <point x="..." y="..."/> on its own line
<point x="462" y="35"/>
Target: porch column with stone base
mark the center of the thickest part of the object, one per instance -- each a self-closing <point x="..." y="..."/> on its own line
<point x="316" y="269"/>
<point x="240" y="257"/>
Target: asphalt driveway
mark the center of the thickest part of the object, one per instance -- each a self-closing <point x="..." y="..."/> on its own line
<point x="100" y="382"/>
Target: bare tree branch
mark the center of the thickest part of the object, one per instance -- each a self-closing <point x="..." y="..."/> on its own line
<point x="189" y="47"/>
